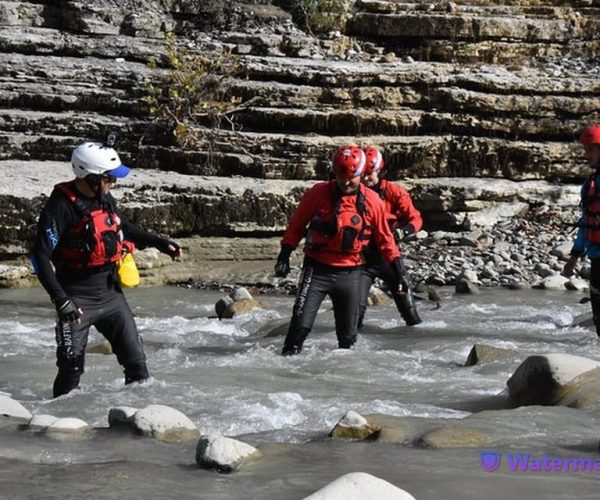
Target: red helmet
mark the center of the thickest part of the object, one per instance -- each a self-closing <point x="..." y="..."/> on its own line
<point x="349" y="162"/>
<point x="374" y="160"/>
<point x="590" y="135"/>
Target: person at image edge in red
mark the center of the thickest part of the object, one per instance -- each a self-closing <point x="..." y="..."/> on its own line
<point x="587" y="241"/>
<point x="337" y="218"/>
<point x="404" y="221"/>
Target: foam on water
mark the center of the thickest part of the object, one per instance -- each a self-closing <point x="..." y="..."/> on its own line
<point x="228" y="380"/>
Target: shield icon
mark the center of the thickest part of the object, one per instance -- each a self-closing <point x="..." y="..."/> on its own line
<point x="490" y="460"/>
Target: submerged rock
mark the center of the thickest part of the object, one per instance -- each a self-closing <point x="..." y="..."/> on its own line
<point x="222" y="453"/>
<point x="360" y="486"/>
<point x="453" y="437"/>
<point x="277" y="328"/>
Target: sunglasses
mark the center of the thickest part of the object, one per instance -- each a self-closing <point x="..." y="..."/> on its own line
<point x="109" y="178"/>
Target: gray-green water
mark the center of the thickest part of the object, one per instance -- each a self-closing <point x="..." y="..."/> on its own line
<point x="229" y="379"/>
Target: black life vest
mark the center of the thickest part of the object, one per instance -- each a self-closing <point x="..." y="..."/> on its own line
<point x="96" y="240"/>
<point x="340" y="231"/>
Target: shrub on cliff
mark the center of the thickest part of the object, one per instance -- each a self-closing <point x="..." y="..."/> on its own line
<point x="193" y="92"/>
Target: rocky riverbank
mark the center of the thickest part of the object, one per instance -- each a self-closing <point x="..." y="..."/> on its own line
<point x="502" y="232"/>
<point x="477" y="107"/>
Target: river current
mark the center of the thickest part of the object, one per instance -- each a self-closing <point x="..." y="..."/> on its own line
<point x="228" y="378"/>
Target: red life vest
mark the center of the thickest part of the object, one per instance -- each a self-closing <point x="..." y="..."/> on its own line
<point x="96" y="240"/>
<point x="591" y="211"/>
<point x="341" y="229"/>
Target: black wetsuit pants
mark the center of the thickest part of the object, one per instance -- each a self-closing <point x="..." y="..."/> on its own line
<point x="104" y="306"/>
<point x="595" y="292"/>
<point x="376" y="268"/>
<point x="316" y="281"/>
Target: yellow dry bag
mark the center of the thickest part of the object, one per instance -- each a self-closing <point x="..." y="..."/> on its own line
<point x="127" y="271"/>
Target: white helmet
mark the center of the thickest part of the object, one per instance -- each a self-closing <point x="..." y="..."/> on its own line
<point x="95" y="158"/>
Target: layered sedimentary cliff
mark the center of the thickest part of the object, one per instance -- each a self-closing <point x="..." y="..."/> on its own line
<point x="449" y="89"/>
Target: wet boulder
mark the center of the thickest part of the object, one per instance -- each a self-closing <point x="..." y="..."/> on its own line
<point x="40" y="422"/>
<point x="540" y="379"/>
<point x="465" y="286"/>
<point x="121" y="416"/>
<point x="68" y="426"/>
<point x="584" y="320"/>
<point x="102" y="347"/>
<point x="377" y="297"/>
<point x="554" y="282"/>
<point x="277" y="328"/>
<point x="222" y="304"/>
<point x="581" y="392"/>
<point x="577" y="285"/>
<point x="223" y="454"/>
<point x="486" y="353"/>
<point x="401" y="430"/>
<point x="241" y="307"/>
<point x="12" y="409"/>
<point x="354" y="426"/>
<point x="360" y="486"/>
<point x="237" y="302"/>
<point x="164" y="423"/>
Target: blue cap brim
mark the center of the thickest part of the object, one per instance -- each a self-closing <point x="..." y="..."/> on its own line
<point x="119" y="172"/>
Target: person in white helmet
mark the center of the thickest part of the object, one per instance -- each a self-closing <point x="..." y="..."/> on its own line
<point x="81" y="236"/>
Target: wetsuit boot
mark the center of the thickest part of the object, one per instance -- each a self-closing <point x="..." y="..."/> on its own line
<point x="136" y="372"/>
<point x="65" y="382"/>
<point x="346" y="342"/>
<point x="70" y="370"/>
<point x="294" y="341"/>
<point x="407" y="308"/>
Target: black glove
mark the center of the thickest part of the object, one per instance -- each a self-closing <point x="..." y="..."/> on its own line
<point x="171" y="248"/>
<point x="67" y="310"/>
<point x="282" y="267"/>
<point x="406" y="233"/>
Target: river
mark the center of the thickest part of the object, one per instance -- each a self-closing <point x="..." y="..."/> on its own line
<point x="228" y="378"/>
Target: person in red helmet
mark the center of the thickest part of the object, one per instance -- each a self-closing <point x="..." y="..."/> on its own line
<point x="587" y="241"/>
<point x="404" y="221"/>
<point x="337" y="218"/>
